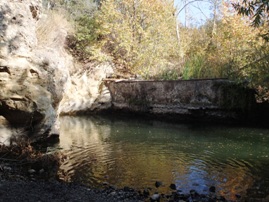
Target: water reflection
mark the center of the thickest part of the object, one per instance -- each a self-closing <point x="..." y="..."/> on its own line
<point x="137" y="153"/>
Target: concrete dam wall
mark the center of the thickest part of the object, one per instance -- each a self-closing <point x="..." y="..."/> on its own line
<point x="186" y="99"/>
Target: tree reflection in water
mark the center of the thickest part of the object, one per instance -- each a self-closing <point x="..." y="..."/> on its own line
<point x="136" y="153"/>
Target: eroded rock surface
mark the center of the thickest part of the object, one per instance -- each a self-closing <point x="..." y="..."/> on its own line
<point x="86" y="92"/>
<point x="38" y="78"/>
<point x="32" y="73"/>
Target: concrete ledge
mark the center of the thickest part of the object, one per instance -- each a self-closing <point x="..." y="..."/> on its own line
<point x="212" y="98"/>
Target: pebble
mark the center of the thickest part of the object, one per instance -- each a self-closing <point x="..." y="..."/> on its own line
<point x="173" y="186"/>
<point x="41" y="171"/>
<point x="6" y="168"/>
<point x="158" y="184"/>
<point x="237" y="196"/>
<point x="212" y="189"/>
<point x="155" y="197"/>
<point x="31" y="171"/>
<point x="113" y="193"/>
<point x="146" y="192"/>
<point x="105" y="183"/>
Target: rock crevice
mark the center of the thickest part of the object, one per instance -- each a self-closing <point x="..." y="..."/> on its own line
<point x="32" y="76"/>
<point x="38" y="77"/>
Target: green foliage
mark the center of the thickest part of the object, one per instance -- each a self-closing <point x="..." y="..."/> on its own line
<point x="81" y="14"/>
<point x="86" y="37"/>
<point x="168" y="74"/>
<point x="236" y="51"/>
<point x="139" y="35"/>
<point x="255" y="69"/>
<point x="86" y="29"/>
<point x="143" y="37"/>
<point x="194" y="67"/>
<point x="76" y="8"/>
<point x="257" y="10"/>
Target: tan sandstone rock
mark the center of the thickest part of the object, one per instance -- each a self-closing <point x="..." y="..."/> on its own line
<point x="33" y="72"/>
<point x="86" y="92"/>
<point x="38" y="78"/>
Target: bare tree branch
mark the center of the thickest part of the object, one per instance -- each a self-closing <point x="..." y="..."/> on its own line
<point x="190" y="2"/>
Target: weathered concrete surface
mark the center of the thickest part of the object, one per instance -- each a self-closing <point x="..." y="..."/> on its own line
<point x="212" y="98"/>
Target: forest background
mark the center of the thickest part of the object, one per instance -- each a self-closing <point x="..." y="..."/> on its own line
<point x="148" y="39"/>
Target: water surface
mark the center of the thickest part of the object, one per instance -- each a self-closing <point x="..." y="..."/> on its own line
<point x="136" y="153"/>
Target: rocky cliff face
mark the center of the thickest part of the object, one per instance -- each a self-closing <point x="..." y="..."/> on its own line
<point x="85" y="92"/>
<point x="38" y="78"/>
<point x="32" y="75"/>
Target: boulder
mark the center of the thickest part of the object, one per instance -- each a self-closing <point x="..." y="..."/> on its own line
<point x="86" y="92"/>
<point x="34" y="68"/>
<point x="38" y="78"/>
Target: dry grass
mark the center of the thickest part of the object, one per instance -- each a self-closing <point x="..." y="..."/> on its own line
<point x="21" y="156"/>
<point x="53" y="28"/>
<point x="18" y="150"/>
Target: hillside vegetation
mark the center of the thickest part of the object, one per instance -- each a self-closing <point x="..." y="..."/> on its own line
<point x="146" y="39"/>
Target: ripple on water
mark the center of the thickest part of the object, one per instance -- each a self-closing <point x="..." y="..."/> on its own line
<point x="125" y="153"/>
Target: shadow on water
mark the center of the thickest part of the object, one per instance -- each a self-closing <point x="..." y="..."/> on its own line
<point x="136" y="153"/>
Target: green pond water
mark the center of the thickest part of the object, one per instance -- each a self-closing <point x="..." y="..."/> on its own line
<point x="137" y="153"/>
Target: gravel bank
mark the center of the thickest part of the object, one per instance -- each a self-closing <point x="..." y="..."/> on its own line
<point x="36" y="180"/>
<point x="14" y="191"/>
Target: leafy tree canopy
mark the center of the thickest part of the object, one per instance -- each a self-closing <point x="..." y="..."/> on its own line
<point x="258" y="10"/>
<point x="138" y="35"/>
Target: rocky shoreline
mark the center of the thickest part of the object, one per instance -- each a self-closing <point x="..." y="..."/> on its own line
<point x="19" y="184"/>
<point x="20" y="190"/>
